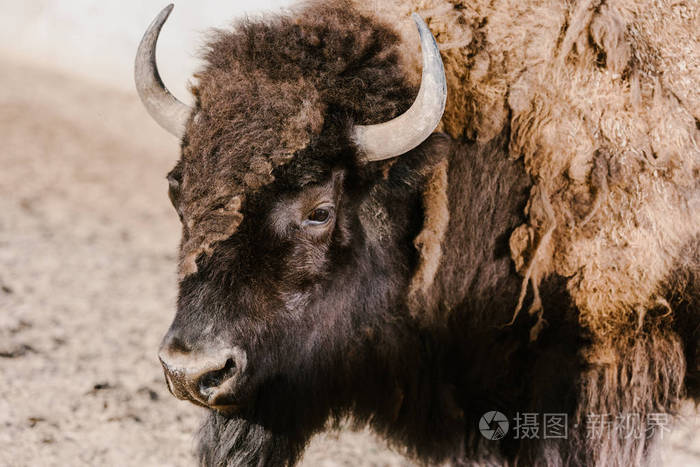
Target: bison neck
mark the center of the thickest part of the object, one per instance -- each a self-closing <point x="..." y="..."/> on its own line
<point x="461" y="357"/>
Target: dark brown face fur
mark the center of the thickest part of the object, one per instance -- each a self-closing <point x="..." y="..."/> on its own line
<point x="275" y="260"/>
<point x="305" y="292"/>
<point x="268" y="180"/>
<point x="270" y="91"/>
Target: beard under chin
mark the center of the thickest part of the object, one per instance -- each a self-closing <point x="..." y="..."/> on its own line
<point x="235" y="441"/>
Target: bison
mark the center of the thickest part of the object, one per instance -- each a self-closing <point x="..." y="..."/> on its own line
<point x="447" y="254"/>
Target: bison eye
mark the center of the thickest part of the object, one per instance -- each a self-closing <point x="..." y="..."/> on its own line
<point x="318" y="216"/>
<point x="174" y="195"/>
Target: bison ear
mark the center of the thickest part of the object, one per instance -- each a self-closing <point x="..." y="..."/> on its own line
<point x="411" y="174"/>
<point x="414" y="167"/>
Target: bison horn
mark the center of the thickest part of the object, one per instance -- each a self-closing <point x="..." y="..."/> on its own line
<point x="165" y="109"/>
<point x="408" y="130"/>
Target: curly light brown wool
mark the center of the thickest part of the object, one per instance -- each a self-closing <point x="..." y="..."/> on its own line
<point x="603" y="104"/>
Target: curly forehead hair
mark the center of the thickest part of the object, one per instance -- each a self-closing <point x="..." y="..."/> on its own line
<point x="268" y="88"/>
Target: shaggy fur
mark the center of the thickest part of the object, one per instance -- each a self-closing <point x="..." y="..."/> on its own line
<point x="264" y="95"/>
<point x="568" y="187"/>
<point x="602" y="99"/>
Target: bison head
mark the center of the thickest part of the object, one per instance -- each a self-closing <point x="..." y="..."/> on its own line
<point x="297" y="238"/>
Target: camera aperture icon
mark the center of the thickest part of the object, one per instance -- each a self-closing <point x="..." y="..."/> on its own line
<point x="493" y="425"/>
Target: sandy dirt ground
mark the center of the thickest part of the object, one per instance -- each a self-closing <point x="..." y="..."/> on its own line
<point x="87" y="288"/>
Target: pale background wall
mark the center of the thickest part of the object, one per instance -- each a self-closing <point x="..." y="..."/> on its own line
<point x="98" y="38"/>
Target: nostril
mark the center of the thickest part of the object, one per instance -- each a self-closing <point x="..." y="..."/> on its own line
<point x="204" y="377"/>
<point x="214" y="379"/>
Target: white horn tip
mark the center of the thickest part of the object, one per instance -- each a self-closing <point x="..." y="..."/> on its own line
<point x="165" y="109"/>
